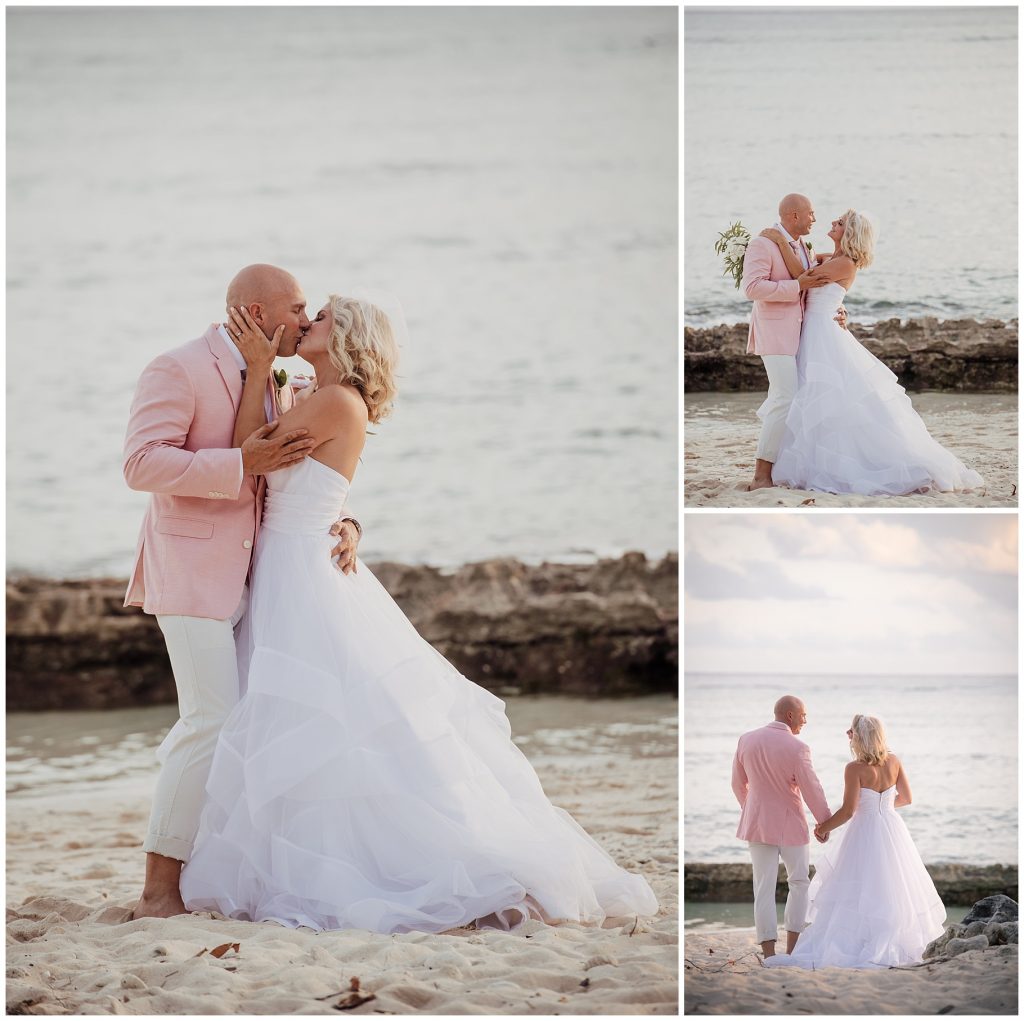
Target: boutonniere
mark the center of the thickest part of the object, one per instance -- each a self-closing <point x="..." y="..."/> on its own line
<point x="283" y="393"/>
<point x="810" y="247"/>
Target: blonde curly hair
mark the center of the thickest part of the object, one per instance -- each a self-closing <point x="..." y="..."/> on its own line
<point x="867" y="739"/>
<point x="858" y="240"/>
<point x="363" y="348"/>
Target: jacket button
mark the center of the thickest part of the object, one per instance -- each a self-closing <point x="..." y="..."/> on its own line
<point x="247" y="544"/>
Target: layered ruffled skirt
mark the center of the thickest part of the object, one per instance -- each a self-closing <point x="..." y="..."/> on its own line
<point x="852" y="428"/>
<point x="872" y="902"/>
<point x="362" y="782"/>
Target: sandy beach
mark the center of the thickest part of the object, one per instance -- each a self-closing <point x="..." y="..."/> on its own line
<point x="723" y="975"/>
<point x="74" y="867"/>
<point x="720" y="442"/>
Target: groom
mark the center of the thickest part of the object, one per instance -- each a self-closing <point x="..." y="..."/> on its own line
<point x="775" y="321"/>
<point x="770" y="772"/>
<point x="196" y="542"/>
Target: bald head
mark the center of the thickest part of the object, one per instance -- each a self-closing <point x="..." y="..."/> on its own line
<point x="258" y="283"/>
<point x="273" y="297"/>
<point x="790" y="710"/>
<point x="796" y="214"/>
<point x="793" y="204"/>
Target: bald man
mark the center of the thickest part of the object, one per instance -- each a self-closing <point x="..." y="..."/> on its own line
<point x="771" y="771"/>
<point x="196" y="542"/>
<point x="775" y="322"/>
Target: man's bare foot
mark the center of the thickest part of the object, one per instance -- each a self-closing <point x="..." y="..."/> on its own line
<point x="159" y="907"/>
<point x="161" y="897"/>
<point x="760" y="484"/>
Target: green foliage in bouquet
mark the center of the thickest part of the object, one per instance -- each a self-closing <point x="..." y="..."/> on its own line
<point x="732" y="244"/>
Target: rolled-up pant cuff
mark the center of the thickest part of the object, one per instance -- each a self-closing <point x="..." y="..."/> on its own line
<point x="169" y="847"/>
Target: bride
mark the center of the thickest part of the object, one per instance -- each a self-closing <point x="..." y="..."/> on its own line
<point x="851" y="427"/>
<point x="872" y="903"/>
<point x="361" y="781"/>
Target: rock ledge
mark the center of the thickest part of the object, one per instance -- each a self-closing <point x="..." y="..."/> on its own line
<point x="957" y="354"/>
<point x="604" y="629"/>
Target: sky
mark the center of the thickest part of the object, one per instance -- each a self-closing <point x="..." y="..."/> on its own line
<point x="851" y="593"/>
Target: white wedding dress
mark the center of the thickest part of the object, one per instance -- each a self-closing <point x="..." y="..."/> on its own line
<point x="872" y="902"/>
<point x="362" y="782"/>
<point x="851" y="427"/>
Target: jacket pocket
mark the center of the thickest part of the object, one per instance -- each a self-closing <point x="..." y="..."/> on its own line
<point x="190" y="527"/>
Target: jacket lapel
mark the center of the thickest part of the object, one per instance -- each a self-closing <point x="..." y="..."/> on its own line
<point x="226" y="365"/>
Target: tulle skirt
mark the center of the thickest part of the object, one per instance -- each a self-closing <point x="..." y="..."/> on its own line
<point x="872" y="902"/>
<point x="362" y="782"/>
<point x="852" y="427"/>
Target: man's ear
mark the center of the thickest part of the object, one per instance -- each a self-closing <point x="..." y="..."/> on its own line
<point x="256" y="311"/>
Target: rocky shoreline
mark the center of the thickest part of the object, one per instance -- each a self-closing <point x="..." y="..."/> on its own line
<point x="605" y="629"/>
<point x="957" y="354"/>
<point x="956" y="884"/>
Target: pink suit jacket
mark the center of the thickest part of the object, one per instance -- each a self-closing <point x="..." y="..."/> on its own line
<point x="778" y="301"/>
<point x="771" y="770"/>
<point x="199" y="530"/>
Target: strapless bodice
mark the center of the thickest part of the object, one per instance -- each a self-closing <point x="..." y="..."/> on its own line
<point x="877" y="801"/>
<point x="304" y="498"/>
<point x="825" y="299"/>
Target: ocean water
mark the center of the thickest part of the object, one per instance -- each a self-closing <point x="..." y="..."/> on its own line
<point x="510" y="173"/>
<point x="909" y="114"/>
<point x="76" y="754"/>
<point x="956" y="738"/>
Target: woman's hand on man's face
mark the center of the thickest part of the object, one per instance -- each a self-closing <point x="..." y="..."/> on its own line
<point x="258" y="352"/>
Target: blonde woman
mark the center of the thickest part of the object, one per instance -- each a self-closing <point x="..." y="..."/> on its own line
<point x="872" y="903"/>
<point x="361" y="782"/>
<point x="851" y="427"/>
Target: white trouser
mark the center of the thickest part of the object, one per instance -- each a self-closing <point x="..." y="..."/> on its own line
<point x="206" y="671"/>
<point x="782" y="384"/>
<point x="765" y="858"/>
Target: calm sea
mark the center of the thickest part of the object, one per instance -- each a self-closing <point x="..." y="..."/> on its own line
<point x="956" y="737"/>
<point x="510" y="173"/>
<point x="75" y="754"/>
<point x="909" y="114"/>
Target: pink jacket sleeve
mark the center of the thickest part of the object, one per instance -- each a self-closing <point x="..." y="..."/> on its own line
<point x="810" y="787"/>
<point x="757" y="267"/>
<point x="739" y="779"/>
<point x="155" y="460"/>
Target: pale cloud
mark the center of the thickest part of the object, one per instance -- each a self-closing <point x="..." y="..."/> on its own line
<point x="841" y="593"/>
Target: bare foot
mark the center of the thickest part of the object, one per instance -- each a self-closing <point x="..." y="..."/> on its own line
<point x="760" y="484"/>
<point x="159" y="907"/>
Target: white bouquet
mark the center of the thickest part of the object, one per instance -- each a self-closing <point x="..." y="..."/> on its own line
<point x="732" y="243"/>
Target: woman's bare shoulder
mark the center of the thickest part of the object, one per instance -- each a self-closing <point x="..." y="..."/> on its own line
<point x="343" y="399"/>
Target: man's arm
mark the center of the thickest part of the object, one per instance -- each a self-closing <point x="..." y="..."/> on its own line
<point x="810" y="786"/>
<point x="757" y="282"/>
<point x="740" y="784"/>
<point x="160" y="419"/>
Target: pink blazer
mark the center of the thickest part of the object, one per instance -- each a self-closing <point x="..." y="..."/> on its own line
<point x="771" y="770"/>
<point x="197" y="536"/>
<point x="778" y="302"/>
